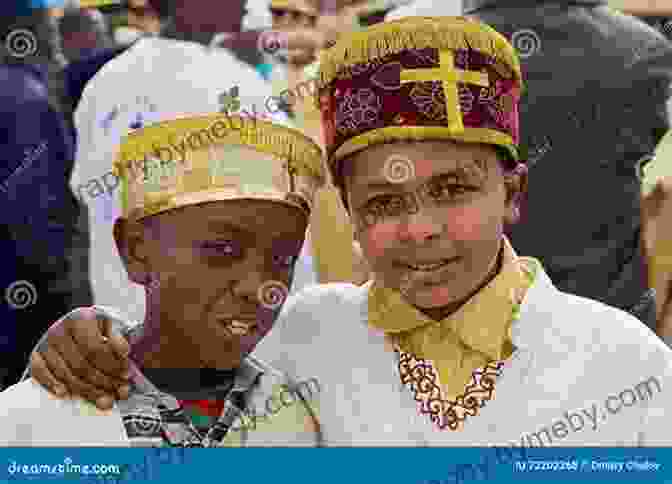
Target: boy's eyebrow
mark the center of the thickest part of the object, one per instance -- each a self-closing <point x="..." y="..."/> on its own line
<point x="250" y="227"/>
<point x="463" y="171"/>
<point x="225" y="225"/>
<point x="384" y="185"/>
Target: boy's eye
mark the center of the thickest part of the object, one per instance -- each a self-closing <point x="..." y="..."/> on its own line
<point x="385" y="206"/>
<point x="227" y="248"/>
<point x="446" y="189"/>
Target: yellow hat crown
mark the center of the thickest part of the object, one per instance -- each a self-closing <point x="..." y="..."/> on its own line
<point x="201" y="159"/>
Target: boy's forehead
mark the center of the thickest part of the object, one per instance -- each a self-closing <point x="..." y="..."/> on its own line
<point x="233" y="216"/>
<point x="399" y="162"/>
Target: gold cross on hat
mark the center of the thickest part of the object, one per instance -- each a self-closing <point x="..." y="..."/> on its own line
<point x="449" y="76"/>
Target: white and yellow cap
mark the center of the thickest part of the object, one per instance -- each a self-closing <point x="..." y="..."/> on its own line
<point x="188" y="161"/>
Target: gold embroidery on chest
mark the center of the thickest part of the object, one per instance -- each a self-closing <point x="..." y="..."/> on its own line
<point x="421" y="377"/>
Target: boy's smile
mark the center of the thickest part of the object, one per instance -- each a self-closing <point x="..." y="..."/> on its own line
<point x="434" y="236"/>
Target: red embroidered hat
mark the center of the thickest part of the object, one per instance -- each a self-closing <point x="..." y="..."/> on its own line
<point x="419" y="78"/>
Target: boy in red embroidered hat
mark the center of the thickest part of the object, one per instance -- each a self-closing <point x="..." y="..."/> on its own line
<point x="457" y="340"/>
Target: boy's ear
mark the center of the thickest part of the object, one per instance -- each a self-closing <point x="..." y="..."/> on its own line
<point x="515" y="184"/>
<point x="133" y="246"/>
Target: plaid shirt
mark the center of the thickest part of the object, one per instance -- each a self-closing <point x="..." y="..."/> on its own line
<point x="153" y="418"/>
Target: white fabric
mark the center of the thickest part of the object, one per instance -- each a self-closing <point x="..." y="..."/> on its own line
<point x="429" y="8"/>
<point x="127" y="35"/>
<point x="304" y="272"/>
<point x="572" y="352"/>
<point x="258" y="15"/>
<point x="160" y="79"/>
<point x="31" y="416"/>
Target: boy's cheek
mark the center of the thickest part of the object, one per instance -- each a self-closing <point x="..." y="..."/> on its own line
<point x="467" y="224"/>
<point x="378" y="238"/>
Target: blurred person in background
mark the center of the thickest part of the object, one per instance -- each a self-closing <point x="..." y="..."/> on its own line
<point x="43" y="271"/>
<point x="141" y="20"/>
<point x="310" y="26"/>
<point x="423" y="8"/>
<point x="595" y="106"/>
<point x="83" y="32"/>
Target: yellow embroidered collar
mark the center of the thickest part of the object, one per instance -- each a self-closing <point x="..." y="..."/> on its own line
<point x="476" y="335"/>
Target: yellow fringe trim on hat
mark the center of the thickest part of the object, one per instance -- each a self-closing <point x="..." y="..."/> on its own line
<point x="422" y="133"/>
<point x="305" y="6"/>
<point x="211" y="130"/>
<point x="442" y="33"/>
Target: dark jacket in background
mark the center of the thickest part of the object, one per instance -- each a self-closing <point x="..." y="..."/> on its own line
<point x="39" y="216"/>
<point x="597" y="86"/>
<point x="663" y="24"/>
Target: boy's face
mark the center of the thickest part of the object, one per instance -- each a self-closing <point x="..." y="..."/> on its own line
<point x="430" y="217"/>
<point x="217" y="273"/>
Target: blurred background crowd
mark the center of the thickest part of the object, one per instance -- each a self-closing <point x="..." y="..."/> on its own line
<point x="596" y="112"/>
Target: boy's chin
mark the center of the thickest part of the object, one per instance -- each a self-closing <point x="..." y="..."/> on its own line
<point x="434" y="297"/>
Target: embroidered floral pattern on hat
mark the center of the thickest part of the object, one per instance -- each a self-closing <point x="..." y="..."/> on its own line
<point x="421" y="378"/>
<point x="466" y="99"/>
<point x="387" y="76"/>
<point x="428" y="72"/>
<point x="430" y="100"/>
<point x="358" y="110"/>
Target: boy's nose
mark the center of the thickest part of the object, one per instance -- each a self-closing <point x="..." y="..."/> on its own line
<point x="420" y="227"/>
<point x="251" y="277"/>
